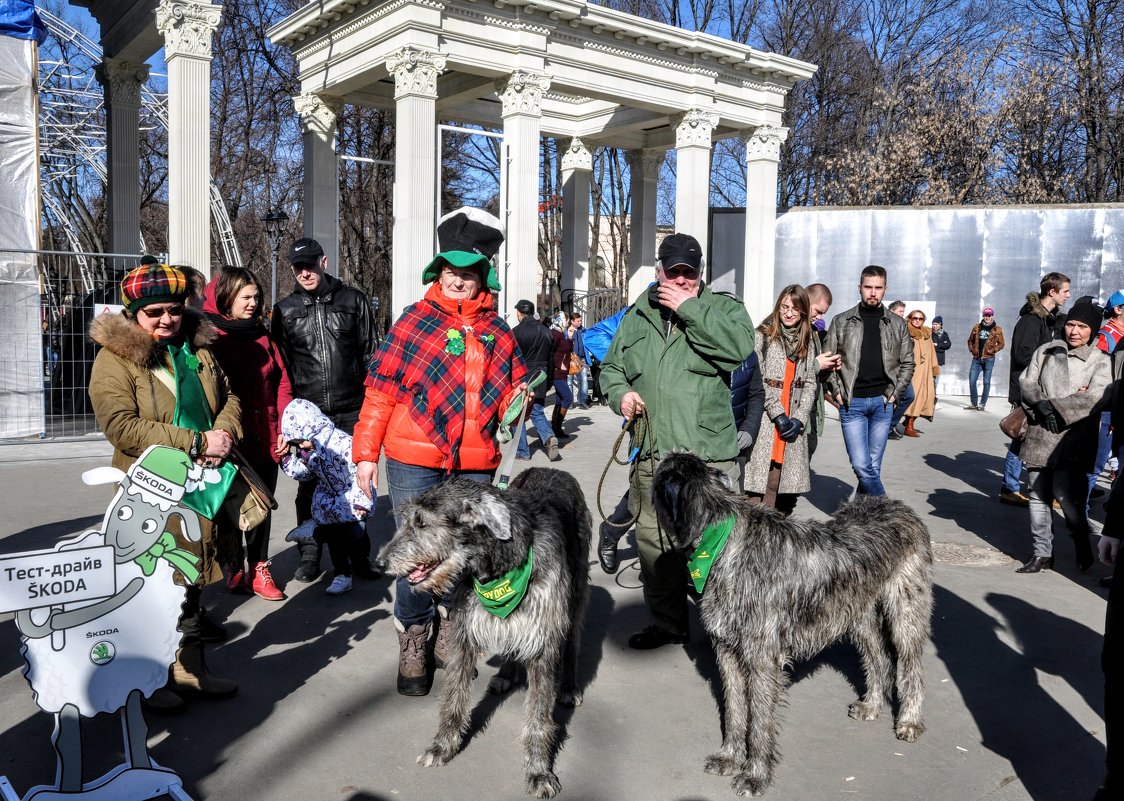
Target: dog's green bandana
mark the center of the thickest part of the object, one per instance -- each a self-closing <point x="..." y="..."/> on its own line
<point x="711" y="543"/>
<point x="501" y="596"/>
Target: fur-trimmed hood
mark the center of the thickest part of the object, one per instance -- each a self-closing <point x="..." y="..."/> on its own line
<point x="123" y="337"/>
<point x="1034" y="306"/>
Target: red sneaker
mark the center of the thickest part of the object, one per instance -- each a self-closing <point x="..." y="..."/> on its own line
<point x="263" y="586"/>
<point x="237" y="582"/>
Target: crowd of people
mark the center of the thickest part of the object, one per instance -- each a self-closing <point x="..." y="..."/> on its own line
<point x="308" y="389"/>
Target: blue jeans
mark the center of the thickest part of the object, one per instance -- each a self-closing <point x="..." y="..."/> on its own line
<point x="406" y="481"/>
<point x="901" y="404"/>
<point x="1104" y="450"/>
<point x="579" y="385"/>
<point x="565" y="397"/>
<point x="1013" y="468"/>
<point x="542" y="428"/>
<point x="984" y="366"/>
<point x="866" y="427"/>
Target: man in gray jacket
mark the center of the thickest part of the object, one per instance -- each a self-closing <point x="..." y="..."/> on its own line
<point x="877" y="355"/>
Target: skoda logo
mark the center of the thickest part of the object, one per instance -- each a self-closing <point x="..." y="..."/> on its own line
<point x="102" y="653"/>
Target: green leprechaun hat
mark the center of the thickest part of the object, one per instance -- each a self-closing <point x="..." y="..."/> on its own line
<point x="159" y="476"/>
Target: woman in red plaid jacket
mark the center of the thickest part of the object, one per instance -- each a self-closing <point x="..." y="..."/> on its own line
<point x="437" y="387"/>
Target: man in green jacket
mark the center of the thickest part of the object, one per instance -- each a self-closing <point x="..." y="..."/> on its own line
<point x="671" y="358"/>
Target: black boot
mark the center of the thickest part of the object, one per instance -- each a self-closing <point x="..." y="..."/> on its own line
<point x="556" y="422"/>
<point x="309" y="568"/>
<point x="1085" y="557"/>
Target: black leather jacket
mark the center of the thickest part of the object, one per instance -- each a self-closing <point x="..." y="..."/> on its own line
<point x="326" y="339"/>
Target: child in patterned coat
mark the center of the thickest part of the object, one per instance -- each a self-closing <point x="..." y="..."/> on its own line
<point x="320" y="451"/>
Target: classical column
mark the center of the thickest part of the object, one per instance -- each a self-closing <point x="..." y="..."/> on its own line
<point x="692" y="172"/>
<point x="318" y="115"/>
<point x="521" y="94"/>
<point x="415" y="169"/>
<point x="577" y="163"/>
<point x="187" y="28"/>
<point x="644" y="174"/>
<point x="763" y="152"/>
<point x="122" y="81"/>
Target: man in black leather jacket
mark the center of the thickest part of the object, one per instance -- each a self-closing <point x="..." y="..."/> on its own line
<point x="326" y="333"/>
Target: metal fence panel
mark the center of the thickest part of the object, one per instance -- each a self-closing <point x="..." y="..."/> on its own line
<point x="53" y="299"/>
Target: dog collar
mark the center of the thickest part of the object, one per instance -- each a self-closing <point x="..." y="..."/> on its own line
<point x="502" y="595"/>
<point x="711" y="542"/>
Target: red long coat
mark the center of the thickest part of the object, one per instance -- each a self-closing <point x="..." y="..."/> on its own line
<point x="252" y="362"/>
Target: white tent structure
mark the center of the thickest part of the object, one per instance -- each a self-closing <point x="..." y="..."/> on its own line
<point x="567" y="69"/>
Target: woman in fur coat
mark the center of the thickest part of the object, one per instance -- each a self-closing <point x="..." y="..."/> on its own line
<point x="153" y="372"/>
<point x="1063" y="389"/>
<point x="925" y="371"/>
<point x="778" y="468"/>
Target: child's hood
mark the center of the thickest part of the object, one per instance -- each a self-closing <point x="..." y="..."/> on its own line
<point x="303" y="420"/>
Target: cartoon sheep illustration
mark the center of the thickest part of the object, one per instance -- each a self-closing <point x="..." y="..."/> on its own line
<point x="104" y="655"/>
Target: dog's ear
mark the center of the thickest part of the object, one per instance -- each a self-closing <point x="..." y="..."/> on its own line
<point x="489" y="513"/>
<point x="666" y="490"/>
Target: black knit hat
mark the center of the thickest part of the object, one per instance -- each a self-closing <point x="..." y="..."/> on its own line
<point x="1086" y="310"/>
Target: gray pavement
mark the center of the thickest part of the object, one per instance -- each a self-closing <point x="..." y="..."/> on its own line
<point x="1013" y="684"/>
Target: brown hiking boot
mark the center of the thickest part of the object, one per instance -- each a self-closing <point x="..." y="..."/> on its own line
<point x="413" y="675"/>
<point x="190" y="677"/>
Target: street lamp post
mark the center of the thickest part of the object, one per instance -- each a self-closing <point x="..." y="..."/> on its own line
<point x="274" y="229"/>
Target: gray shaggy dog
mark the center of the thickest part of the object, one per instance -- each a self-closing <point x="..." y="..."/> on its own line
<point x="781" y="590"/>
<point x="464" y="529"/>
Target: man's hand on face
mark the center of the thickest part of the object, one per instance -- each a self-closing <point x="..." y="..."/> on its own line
<point x="672" y="296"/>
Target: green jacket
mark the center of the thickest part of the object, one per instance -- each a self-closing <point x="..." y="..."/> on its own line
<point x="681" y="368"/>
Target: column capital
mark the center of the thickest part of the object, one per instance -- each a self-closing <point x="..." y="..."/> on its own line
<point x="645" y="163"/>
<point x="763" y="143"/>
<point x="187" y="27"/>
<point x="521" y="92"/>
<point x="317" y="111"/>
<point x="576" y="156"/>
<point x="694" y="127"/>
<point x="122" y="80"/>
<point x="415" y="72"/>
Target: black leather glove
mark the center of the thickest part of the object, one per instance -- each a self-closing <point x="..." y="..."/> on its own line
<point x="794" y="432"/>
<point x="785" y="426"/>
<point x="1047" y="416"/>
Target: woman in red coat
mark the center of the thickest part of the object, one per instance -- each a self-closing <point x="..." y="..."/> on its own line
<point x="252" y="362"/>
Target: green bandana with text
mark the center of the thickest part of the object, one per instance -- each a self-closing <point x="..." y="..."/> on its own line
<point x="501" y="596"/>
<point x="711" y="543"/>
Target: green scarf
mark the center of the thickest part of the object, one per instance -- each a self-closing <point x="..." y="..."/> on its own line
<point x="711" y="543"/>
<point x="501" y="596"/>
<point x="193" y="412"/>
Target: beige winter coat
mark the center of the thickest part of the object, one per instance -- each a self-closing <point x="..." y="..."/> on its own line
<point x="795" y="470"/>
<point x="1076" y="382"/>
<point x="135" y="409"/>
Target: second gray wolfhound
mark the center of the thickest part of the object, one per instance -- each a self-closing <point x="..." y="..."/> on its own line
<point x="780" y="590"/>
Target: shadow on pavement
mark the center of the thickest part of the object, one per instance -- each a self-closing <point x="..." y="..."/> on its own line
<point x="1053" y="756"/>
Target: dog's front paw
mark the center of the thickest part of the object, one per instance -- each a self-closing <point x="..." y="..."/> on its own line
<point x="909" y="731"/>
<point x="435" y="755"/>
<point x="570" y="696"/>
<point x="543" y="785"/>
<point x="860" y="710"/>
<point x="720" y="765"/>
<point x="747" y="785"/>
